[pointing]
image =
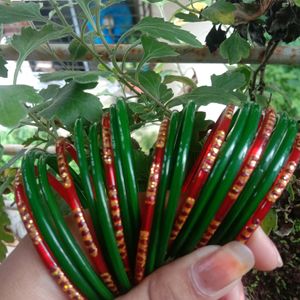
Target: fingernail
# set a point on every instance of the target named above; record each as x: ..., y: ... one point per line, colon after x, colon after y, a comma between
x: 214, y: 274
x: 279, y: 259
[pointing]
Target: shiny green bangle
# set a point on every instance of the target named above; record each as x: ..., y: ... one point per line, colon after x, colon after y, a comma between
x: 44, y: 223
x: 256, y: 177
x: 128, y: 166
x: 109, y: 244
x: 210, y: 186
x: 178, y: 176
x: 128, y: 223
x: 227, y: 179
x: 161, y: 196
x: 78, y: 257
x: 267, y: 180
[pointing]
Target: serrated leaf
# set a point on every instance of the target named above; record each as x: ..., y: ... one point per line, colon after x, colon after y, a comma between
x: 3, y: 69
x: 270, y: 222
x: 30, y: 39
x: 152, y: 82
x: 229, y: 81
x: 155, y: 49
x: 235, y: 48
x: 220, y: 12
x: 49, y: 92
x: 72, y: 102
x: 77, y: 76
x: 12, y: 99
x: 18, y: 12
x: 184, y: 80
x: 158, y: 28
x: 190, y: 17
x: 137, y: 108
x: 204, y: 95
x: 77, y: 50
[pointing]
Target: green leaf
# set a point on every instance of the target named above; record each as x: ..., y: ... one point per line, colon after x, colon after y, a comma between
x: 190, y: 17
x: 158, y: 28
x: 270, y: 222
x: 220, y: 12
x: 297, y: 2
x: 72, y: 102
x: 204, y: 95
x: 184, y: 80
x: 77, y: 50
x: 49, y: 92
x: 137, y: 108
x: 30, y: 39
x: 18, y: 12
x: 77, y: 76
x: 155, y: 49
x: 152, y: 82
x: 229, y: 81
x: 3, y: 69
x: 235, y: 48
x: 12, y: 99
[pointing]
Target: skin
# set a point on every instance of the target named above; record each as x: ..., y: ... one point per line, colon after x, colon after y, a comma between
x: 23, y: 275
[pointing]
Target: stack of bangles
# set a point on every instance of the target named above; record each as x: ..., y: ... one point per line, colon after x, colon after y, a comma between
x: 244, y: 166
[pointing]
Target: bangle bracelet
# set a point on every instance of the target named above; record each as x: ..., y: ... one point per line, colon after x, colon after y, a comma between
x: 68, y: 240
x: 40, y: 245
x: 112, y: 191
x: 109, y: 243
x: 177, y: 179
x: 165, y: 178
x: 44, y: 224
x: 198, y: 176
x: 274, y: 193
x: 210, y: 185
x: 149, y: 202
x: 269, y: 176
x: 250, y: 162
x: 85, y: 229
x: 256, y: 177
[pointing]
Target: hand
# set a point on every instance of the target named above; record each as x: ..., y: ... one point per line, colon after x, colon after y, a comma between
x: 212, y: 272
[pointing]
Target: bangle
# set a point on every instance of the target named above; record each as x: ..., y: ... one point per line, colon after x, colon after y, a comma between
x: 250, y: 162
x: 274, y: 193
x: 165, y: 178
x: 112, y: 191
x: 257, y: 176
x: 212, y: 181
x: 199, y: 174
x: 184, y: 135
x: 40, y: 245
x: 149, y: 202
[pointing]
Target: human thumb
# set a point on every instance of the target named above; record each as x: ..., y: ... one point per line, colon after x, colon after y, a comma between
x: 208, y: 273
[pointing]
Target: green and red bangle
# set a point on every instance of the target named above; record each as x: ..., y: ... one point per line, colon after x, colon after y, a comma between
x: 250, y: 162
x: 274, y: 193
x: 112, y: 191
x: 85, y: 228
x: 39, y: 243
x: 199, y: 174
x: 149, y: 201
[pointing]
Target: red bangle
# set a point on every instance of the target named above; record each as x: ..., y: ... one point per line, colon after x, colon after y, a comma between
x: 85, y: 228
x: 202, y: 168
x: 110, y: 176
x: 250, y: 162
x: 39, y: 243
x: 274, y: 193
x: 149, y: 201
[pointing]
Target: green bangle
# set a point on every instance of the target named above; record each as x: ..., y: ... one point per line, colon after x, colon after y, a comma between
x: 267, y: 180
x: 72, y: 248
x: 210, y: 186
x: 162, y: 191
x: 177, y: 181
x: 45, y: 226
x: 256, y: 177
x: 128, y: 165
x: 107, y: 232
x: 227, y: 179
x: 128, y: 223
